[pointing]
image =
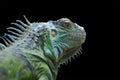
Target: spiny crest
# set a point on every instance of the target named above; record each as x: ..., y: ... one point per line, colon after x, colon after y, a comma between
x: 77, y: 53
x: 13, y: 33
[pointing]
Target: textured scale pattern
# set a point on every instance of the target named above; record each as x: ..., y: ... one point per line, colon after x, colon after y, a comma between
x: 35, y: 51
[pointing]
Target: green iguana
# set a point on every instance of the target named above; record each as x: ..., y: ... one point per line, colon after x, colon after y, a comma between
x: 34, y: 51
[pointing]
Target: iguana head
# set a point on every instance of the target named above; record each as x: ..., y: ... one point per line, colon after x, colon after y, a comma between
x: 67, y: 38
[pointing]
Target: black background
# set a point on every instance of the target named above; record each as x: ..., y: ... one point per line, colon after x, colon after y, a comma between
x: 100, y: 58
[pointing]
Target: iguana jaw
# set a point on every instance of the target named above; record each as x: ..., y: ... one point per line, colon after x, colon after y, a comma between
x: 76, y: 36
x: 76, y: 40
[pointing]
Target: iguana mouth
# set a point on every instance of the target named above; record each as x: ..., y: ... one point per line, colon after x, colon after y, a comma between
x: 76, y: 36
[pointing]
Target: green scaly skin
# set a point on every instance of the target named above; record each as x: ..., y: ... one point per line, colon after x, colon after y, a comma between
x: 36, y: 50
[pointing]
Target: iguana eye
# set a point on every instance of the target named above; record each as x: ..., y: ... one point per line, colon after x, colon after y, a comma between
x: 66, y: 23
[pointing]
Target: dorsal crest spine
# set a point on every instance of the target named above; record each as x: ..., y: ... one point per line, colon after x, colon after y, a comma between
x: 13, y: 33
